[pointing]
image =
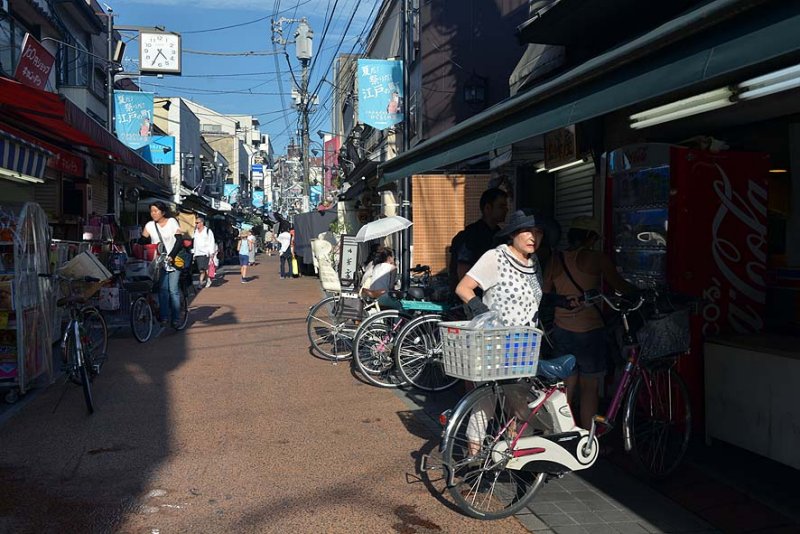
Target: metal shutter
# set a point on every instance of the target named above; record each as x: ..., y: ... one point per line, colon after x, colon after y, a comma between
x: 48, y: 194
x: 574, y: 195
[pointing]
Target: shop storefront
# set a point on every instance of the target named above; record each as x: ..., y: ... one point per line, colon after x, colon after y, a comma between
x: 694, y: 174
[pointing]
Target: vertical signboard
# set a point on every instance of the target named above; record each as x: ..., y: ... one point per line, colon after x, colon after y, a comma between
x: 133, y: 116
x: 330, y: 161
x: 380, y: 89
x: 35, y: 63
x: 348, y: 261
x: 230, y: 189
x: 258, y: 198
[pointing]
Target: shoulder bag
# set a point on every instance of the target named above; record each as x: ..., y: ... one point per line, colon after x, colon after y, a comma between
x: 160, y: 260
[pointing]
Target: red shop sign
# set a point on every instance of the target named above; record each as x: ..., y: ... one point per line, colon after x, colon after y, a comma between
x: 35, y: 63
x: 65, y: 162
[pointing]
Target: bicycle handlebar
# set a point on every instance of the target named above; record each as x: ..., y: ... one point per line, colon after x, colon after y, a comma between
x: 618, y: 305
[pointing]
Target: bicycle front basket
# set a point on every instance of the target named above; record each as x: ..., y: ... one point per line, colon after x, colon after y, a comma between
x: 664, y: 336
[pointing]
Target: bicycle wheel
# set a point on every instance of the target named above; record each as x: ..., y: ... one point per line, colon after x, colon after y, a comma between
x: 373, y: 349
x: 183, y: 313
x: 477, y: 444
x: 329, y: 333
x: 78, y: 370
x: 141, y: 319
x: 658, y: 419
x: 418, y: 354
x: 94, y: 340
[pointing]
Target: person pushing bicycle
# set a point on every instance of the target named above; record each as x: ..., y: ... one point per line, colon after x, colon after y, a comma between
x: 580, y: 329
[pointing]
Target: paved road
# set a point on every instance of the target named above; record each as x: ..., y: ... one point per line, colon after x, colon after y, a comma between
x: 230, y: 426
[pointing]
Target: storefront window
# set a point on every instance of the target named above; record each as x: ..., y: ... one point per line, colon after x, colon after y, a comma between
x: 10, y: 44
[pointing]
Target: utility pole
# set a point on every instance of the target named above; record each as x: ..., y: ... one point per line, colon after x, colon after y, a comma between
x: 405, y: 201
x: 304, y: 51
x: 110, y: 69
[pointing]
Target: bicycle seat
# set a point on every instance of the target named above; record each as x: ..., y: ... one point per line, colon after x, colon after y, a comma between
x: 557, y: 368
x: 415, y: 293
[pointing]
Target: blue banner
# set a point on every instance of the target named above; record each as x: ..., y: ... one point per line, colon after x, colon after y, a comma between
x: 160, y: 151
x: 229, y: 190
x: 314, y: 195
x: 133, y: 116
x: 258, y: 198
x: 380, y: 88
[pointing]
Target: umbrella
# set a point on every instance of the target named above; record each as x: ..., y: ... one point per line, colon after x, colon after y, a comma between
x: 382, y: 228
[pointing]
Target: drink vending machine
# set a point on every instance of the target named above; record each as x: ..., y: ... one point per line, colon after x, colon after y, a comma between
x: 695, y: 223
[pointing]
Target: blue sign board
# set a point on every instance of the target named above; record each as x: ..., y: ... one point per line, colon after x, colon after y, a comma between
x: 229, y: 190
x: 160, y: 151
x: 258, y: 199
x: 258, y: 168
x: 380, y: 89
x: 133, y: 115
x: 314, y: 195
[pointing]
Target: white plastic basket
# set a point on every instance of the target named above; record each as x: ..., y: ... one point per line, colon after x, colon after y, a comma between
x: 487, y: 354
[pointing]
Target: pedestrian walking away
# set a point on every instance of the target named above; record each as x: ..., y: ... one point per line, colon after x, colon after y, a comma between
x: 285, y: 240
x: 251, y: 243
x: 204, y: 249
x: 244, y: 255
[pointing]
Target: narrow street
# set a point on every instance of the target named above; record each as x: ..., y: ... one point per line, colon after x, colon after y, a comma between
x: 230, y: 426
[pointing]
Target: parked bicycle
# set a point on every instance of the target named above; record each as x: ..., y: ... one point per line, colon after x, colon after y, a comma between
x: 85, y: 339
x: 505, y: 439
x: 377, y: 345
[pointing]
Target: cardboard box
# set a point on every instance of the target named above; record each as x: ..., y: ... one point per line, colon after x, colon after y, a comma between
x: 85, y: 264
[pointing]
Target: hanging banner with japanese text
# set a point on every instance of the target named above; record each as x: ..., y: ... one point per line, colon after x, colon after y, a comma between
x: 35, y: 63
x: 380, y: 89
x: 258, y: 198
x: 133, y: 115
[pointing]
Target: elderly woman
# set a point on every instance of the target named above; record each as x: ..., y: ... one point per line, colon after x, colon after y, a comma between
x: 509, y: 275
x: 511, y: 280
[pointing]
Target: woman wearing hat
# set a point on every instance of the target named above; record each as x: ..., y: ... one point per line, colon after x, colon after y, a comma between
x: 581, y: 330
x: 509, y: 275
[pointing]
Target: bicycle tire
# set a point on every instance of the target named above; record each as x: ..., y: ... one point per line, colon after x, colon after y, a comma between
x: 373, y: 349
x: 141, y: 319
x: 418, y: 354
x: 183, y: 312
x: 658, y: 419
x: 483, y: 488
x: 94, y: 339
x: 330, y: 334
x: 86, y: 384
x: 77, y: 370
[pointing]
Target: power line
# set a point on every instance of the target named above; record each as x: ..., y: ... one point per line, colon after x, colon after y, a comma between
x: 228, y: 54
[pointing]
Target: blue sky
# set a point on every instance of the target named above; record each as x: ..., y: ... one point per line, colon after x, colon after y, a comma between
x: 247, y: 84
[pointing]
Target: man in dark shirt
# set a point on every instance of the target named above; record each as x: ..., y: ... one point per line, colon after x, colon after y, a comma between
x: 474, y: 240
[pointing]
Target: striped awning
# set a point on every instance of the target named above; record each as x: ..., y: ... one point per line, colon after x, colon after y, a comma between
x: 21, y: 160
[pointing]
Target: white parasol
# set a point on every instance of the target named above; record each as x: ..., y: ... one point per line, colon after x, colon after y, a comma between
x: 382, y: 228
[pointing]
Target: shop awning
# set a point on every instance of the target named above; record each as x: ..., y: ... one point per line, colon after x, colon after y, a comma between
x: 588, y: 22
x: 593, y: 89
x: 41, y: 111
x: 21, y: 160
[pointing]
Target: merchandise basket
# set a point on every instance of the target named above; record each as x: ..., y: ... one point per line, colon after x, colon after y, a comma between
x: 483, y: 354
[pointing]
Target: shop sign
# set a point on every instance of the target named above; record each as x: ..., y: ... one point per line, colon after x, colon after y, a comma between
x: 380, y: 89
x: 258, y: 199
x: 348, y: 260
x: 560, y: 147
x: 330, y: 161
x: 65, y: 162
x: 35, y: 63
x: 133, y: 115
x: 160, y: 150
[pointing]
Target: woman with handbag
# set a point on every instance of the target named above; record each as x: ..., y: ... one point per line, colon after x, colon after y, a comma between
x: 580, y: 330
x: 165, y: 231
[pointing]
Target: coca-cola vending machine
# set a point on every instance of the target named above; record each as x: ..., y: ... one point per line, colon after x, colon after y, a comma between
x: 693, y: 222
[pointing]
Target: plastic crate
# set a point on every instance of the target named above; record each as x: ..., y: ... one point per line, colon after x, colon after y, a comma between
x: 488, y: 354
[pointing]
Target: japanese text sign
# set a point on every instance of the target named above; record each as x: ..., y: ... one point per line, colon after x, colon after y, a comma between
x: 348, y: 261
x: 380, y: 89
x: 133, y: 116
x: 35, y: 63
